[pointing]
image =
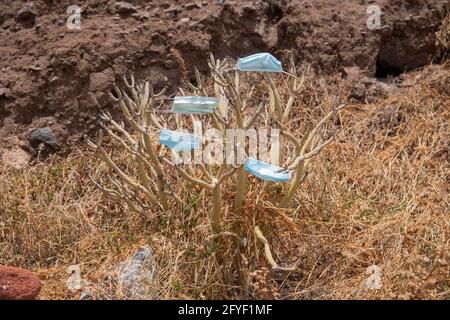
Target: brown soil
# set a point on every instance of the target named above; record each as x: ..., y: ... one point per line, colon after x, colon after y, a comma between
x: 55, y: 77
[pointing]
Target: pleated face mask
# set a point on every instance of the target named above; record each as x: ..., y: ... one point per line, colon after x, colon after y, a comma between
x: 260, y: 62
x: 179, y: 141
x: 267, y: 171
x: 194, y: 105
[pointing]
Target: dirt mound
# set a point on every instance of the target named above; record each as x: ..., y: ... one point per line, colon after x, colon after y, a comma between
x: 55, y: 77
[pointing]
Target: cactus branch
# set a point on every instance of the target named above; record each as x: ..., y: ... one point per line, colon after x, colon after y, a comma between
x: 188, y: 177
x: 268, y: 252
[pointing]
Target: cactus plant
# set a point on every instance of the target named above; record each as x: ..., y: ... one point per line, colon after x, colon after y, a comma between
x: 146, y: 186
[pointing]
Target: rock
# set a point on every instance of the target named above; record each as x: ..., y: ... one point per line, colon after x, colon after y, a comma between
x: 358, y: 92
x: 101, y: 81
x: 135, y: 276
x: 174, y: 9
x: 61, y: 22
x: 18, y: 284
x: 45, y: 136
x: 352, y: 72
x: 99, y: 85
x: 5, y: 92
x: 86, y: 294
x: 141, y: 16
x: 125, y: 8
x: 192, y: 5
x: 74, y: 282
x: 406, y: 43
x: 38, y: 28
x: 26, y: 15
x: 184, y: 20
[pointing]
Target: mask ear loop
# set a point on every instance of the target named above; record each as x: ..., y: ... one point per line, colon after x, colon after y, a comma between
x: 156, y: 130
x: 289, y: 74
x: 283, y: 72
x: 280, y: 170
x: 230, y: 69
x: 165, y: 99
x: 162, y: 111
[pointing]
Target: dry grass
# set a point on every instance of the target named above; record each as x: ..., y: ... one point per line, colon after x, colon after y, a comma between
x: 378, y: 196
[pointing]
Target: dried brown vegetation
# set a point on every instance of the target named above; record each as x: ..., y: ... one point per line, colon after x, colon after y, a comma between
x: 378, y: 196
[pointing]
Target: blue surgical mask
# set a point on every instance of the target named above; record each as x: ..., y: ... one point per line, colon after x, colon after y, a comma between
x: 179, y: 141
x: 260, y: 62
x: 267, y: 171
x: 194, y: 105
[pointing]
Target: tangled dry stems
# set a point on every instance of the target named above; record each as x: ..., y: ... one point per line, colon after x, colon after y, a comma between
x: 145, y: 188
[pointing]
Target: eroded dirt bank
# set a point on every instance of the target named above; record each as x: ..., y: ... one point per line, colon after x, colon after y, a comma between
x: 55, y: 77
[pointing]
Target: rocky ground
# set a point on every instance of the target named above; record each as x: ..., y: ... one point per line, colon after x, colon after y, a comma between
x: 56, y: 79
